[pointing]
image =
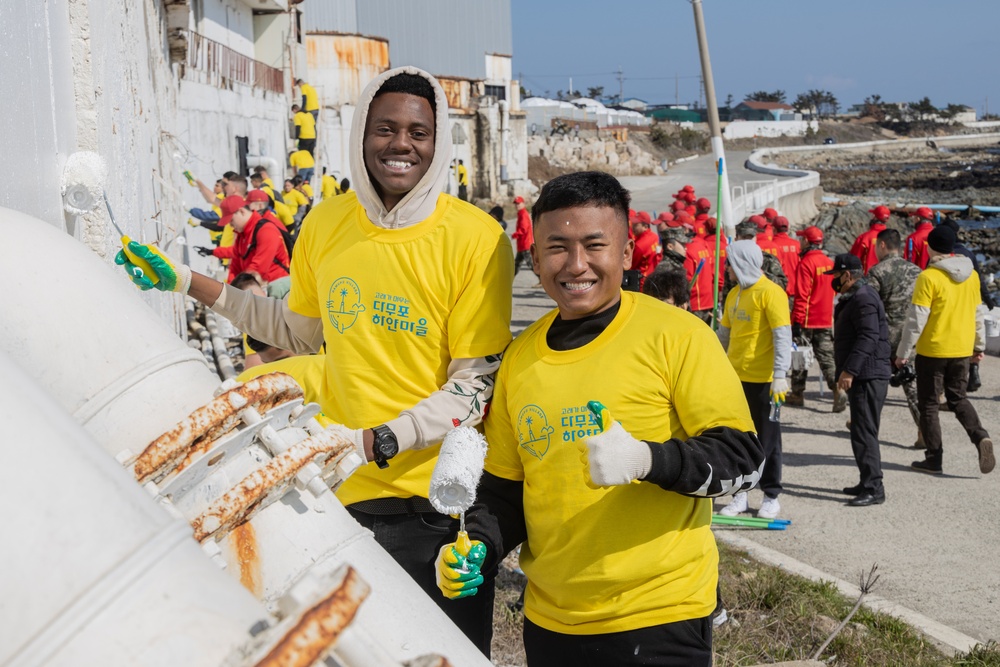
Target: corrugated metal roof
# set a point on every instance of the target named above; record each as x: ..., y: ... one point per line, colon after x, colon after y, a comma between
x: 444, y: 37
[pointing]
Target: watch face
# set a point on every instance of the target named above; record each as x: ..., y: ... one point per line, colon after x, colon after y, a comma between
x: 388, y: 447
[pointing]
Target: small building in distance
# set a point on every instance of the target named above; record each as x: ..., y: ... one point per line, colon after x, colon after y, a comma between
x: 749, y: 110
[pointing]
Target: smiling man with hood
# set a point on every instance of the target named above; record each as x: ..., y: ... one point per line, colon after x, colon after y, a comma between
x: 410, y: 289
x: 944, y: 327
x: 757, y: 334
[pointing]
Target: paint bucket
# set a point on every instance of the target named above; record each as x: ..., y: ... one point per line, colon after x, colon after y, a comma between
x: 992, y: 327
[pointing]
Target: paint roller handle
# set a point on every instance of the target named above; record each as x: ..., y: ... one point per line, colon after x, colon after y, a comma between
x: 190, y: 178
x: 458, y: 567
x: 147, y: 267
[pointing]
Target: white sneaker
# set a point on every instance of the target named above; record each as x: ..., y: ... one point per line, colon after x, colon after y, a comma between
x: 769, y: 508
x: 737, y: 505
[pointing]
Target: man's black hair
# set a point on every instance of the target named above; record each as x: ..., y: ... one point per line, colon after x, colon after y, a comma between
x: 497, y: 212
x: 297, y: 180
x: 583, y: 188
x: 324, y: 171
x: 257, y: 346
x: 345, y: 185
x: 891, y: 239
x: 244, y: 280
x: 258, y: 176
x: 671, y: 283
x: 259, y: 169
x: 410, y: 84
x: 230, y: 175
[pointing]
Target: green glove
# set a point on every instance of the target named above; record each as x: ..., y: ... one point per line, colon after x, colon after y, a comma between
x: 458, y: 567
x: 169, y: 277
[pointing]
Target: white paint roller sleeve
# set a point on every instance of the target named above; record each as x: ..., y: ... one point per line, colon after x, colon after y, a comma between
x: 457, y: 472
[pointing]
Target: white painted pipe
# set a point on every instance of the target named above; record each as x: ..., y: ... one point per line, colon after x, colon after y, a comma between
x: 81, y: 330
x: 94, y: 572
x: 275, y: 170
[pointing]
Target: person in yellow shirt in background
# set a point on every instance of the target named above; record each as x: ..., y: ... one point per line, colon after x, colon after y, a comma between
x: 302, y: 164
x: 304, y: 187
x: 944, y: 326
x: 612, y: 505
x: 329, y: 187
x: 462, y: 174
x: 305, y: 129
x: 259, y: 182
x: 757, y: 334
x: 310, y: 100
x: 296, y: 201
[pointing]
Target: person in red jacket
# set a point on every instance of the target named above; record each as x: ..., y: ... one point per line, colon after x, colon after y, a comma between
x: 260, y: 251
x: 711, y: 225
x: 699, y: 265
x: 812, y: 316
x: 770, y: 215
x: 703, y: 206
x: 523, y: 235
x: 916, y: 243
x: 763, y: 239
x: 864, y: 245
x: 788, y: 251
x: 647, y: 252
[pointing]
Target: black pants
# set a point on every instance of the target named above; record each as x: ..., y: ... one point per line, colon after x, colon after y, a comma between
x: 308, y: 145
x: 867, y: 398
x: 463, y: 192
x: 768, y: 432
x: 522, y: 255
x: 950, y: 375
x: 680, y: 644
x: 414, y: 541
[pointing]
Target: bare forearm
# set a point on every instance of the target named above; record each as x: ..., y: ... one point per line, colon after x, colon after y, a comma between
x: 204, y: 289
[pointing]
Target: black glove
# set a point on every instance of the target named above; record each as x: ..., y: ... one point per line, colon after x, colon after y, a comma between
x: 797, y: 331
x: 203, y: 251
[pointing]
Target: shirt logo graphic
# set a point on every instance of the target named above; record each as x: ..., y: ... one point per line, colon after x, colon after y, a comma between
x: 344, y: 304
x: 533, y: 431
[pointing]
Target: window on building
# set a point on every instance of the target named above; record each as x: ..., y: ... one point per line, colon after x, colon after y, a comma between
x: 298, y: 26
x: 499, y: 92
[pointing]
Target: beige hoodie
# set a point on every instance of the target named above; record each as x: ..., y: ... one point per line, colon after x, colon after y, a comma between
x: 272, y: 322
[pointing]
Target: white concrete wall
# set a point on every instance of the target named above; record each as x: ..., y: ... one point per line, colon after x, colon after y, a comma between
x: 270, y: 33
x: 746, y: 129
x: 228, y: 22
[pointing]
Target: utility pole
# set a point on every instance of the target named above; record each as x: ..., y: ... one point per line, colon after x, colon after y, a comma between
x: 621, y: 86
x: 677, y: 90
x: 724, y: 208
x: 570, y: 87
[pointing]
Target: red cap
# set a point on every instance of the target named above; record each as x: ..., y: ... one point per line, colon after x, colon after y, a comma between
x: 257, y: 196
x: 811, y: 234
x: 770, y: 214
x: 881, y: 213
x: 691, y: 209
x: 684, y: 217
x: 781, y: 222
x: 518, y: 200
x: 923, y: 212
x: 703, y: 203
x: 678, y: 205
x: 666, y: 216
x: 688, y: 188
x: 631, y: 215
x: 643, y: 217
x: 759, y: 221
x: 690, y: 197
x: 711, y: 225
x: 230, y: 205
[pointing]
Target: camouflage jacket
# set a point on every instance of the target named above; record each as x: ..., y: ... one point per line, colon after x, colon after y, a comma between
x: 671, y: 261
x: 893, y: 278
x: 772, y: 270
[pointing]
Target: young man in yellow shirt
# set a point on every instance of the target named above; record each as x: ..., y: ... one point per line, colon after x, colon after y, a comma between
x: 329, y: 187
x: 305, y: 129
x: 310, y: 100
x: 614, y: 508
x: 302, y: 164
x: 410, y: 289
x: 756, y: 332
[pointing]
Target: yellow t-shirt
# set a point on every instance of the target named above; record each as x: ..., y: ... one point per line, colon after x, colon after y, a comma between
x: 307, y: 125
x: 307, y: 190
x: 312, y: 99
x: 398, y: 305
x: 624, y: 557
x: 951, y: 328
x: 284, y: 213
x: 269, y: 183
x: 216, y: 236
x: 463, y: 175
x: 301, y: 160
x: 294, y: 199
x: 751, y: 314
x: 329, y: 187
x: 306, y: 369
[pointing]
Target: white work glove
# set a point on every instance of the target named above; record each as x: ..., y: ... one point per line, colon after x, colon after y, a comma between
x: 779, y: 389
x: 614, y: 457
x: 354, y: 435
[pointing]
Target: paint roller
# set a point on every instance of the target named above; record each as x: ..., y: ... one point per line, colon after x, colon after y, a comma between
x: 456, y: 476
x: 82, y: 183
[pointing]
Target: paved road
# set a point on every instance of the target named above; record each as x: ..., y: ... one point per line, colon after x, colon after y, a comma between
x: 936, y: 539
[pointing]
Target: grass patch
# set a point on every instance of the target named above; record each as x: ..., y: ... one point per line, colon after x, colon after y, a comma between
x: 774, y: 617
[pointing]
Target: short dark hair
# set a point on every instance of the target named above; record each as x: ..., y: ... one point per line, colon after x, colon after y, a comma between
x: 297, y: 180
x: 497, y: 212
x: 411, y: 84
x: 345, y: 184
x: 295, y: 106
x: 257, y: 346
x: 230, y: 175
x: 240, y: 181
x: 244, y: 280
x: 583, y: 188
x: 259, y: 169
x: 891, y: 238
x: 257, y: 176
x: 672, y: 283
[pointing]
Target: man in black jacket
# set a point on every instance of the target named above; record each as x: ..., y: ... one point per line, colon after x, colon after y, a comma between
x: 861, y: 354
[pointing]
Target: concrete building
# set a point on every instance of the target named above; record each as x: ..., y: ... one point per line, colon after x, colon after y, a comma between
x: 749, y: 110
x: 155, y: 88
x: 466, y: 44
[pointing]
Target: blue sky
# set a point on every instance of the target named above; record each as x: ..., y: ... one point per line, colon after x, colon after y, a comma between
x: 902, y: 50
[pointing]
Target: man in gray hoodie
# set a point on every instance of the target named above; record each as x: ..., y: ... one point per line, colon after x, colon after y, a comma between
x: 756, y: 332
x: 944, y: 327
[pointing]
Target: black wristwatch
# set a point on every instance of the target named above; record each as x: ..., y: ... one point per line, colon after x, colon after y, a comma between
x: 385, y: 446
